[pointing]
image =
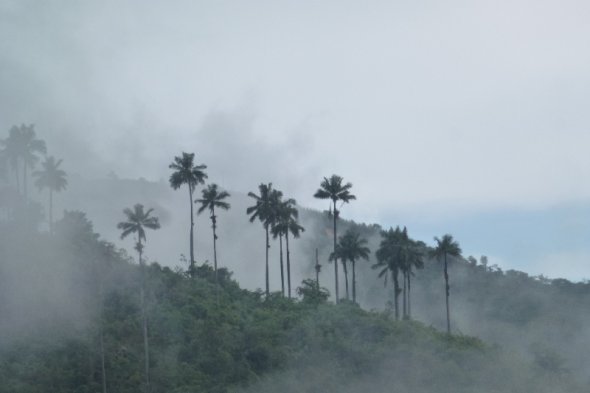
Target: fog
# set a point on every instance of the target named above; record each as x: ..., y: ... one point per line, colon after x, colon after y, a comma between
x: 463, y: 118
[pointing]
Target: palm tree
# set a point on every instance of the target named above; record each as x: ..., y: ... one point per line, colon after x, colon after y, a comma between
x: 351, y: 247
x: 264, y: 209
x: 213, y: 198
x: 446, y: 247
x: 136, y: 222
x: 286, y: 222
x: 186, y: 172
x: 294, y: 229
x: 333, y: 189
x: 415, y: 259
x: 22, y: 145
x: 389, y: 261
x: 52, y: 178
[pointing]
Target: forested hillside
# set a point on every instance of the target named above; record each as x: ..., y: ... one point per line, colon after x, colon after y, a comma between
x: 70, y: 300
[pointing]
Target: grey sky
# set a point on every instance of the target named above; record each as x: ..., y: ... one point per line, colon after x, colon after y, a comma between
x: 427, y: 107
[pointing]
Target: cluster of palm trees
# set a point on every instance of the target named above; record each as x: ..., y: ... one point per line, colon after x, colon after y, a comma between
x: 279, y: 217
x: 21, y: 150
x: 397, y: 253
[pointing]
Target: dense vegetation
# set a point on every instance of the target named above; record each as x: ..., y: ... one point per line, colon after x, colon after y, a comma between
x: 202, y: 343
x: 78, y: 315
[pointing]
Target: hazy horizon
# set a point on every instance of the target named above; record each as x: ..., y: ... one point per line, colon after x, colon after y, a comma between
x: 467, y: 118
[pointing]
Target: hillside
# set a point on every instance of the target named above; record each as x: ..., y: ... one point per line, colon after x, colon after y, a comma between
x: 234, y: 340
x: 532, y: 315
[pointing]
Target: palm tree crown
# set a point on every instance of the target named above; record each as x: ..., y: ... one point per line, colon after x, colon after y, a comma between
x: 332, y: 188
x: 213, y: 198
x: 137, y: 220
x: 51, y: 176
x: 351, y: 247
x: 265, y: 205
x: 445, y: 246
x: 186, y: 172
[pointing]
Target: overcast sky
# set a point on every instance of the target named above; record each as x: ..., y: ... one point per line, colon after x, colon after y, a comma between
x: 438, y: 112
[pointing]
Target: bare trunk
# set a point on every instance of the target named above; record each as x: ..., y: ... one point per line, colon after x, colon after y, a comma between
x: 288, y: 265
x: 335, y: 259
x: 353, y: 281
x: 267, y: 247
x: 345, y: 269
x: 25, y: 179
x: 317, y: 269
x: 214, y: 226
x: 17, y: 175
x: 50, y: 210
x: 282, y: 270
x: 145, y: 323
x: 101, y: 338
x: 447, y: 292
x: 404, y: 298
x: 192, y: 252
x: 409, y: 292
x: 396, y: 291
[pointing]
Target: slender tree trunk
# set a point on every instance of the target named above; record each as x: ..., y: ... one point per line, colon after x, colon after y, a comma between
x: 404, y: 298
x: 214, y: 226
x: 353, y: 281
x: 288, y: 265
x: 345, y: 269
x: 267, y: 247
x: 447, y: 292
x: 335, y: 259
x: 17, y: 175
x: 396, y: 291
x: 50, y: 210
x: 282, y: 270
x: 145, y: 323
x: 317, y: 270
x: 192, y: 251
x: 101, y: 336
x: 25, y: 179
x: 409, y: 292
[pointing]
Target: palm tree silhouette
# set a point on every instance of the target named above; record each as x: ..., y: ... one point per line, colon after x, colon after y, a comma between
x: 389, y: 261
x: 213, y: 198
x: 333, y: 189
x: 293, y: 227
x: 446, y: 247
x: 23, y: 146
x: 351, y: 247
x: 265, y: 209
x: 136, y: 222
x: 285, y: 223
x: 186, y: 172
x: 54, y: 179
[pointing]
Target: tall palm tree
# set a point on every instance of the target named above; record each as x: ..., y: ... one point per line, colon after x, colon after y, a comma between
x: 285, y: 223
x: 294, y: 229
x: 446, y: 247
x: 213, y: 198
x: 389, y: 261
x: 137, y: 220
x: 264, y: 209
x: 333, y: 189
x: 23, y: 146
x: 415, y: 260
x: 54, y: 179
x: 186, y: 172
x: 351, y: 247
